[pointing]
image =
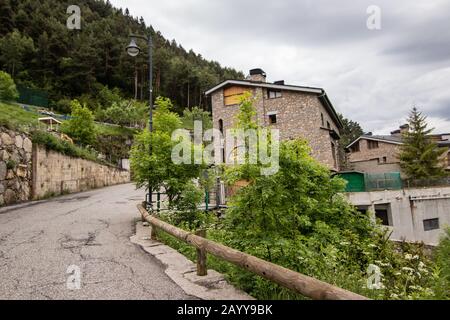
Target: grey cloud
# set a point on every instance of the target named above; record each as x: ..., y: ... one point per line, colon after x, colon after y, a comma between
x: 369, y: 75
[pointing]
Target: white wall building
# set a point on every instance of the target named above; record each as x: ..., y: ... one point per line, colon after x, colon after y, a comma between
x: 413, y: 215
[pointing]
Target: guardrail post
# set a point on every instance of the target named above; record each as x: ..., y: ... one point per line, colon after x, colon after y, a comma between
x: 202, y: 269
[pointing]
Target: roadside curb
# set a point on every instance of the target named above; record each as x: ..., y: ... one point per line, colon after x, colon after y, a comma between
x: 184, y: 272
x: 19, y: 206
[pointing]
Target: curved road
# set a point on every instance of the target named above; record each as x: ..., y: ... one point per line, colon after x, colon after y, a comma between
x: 91, y: 230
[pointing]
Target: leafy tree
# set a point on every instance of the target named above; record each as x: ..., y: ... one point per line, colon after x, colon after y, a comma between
x: 352, y: 130
x: 420, y: 157
x: 196, y: 114
x: 117, y: 113
x: 71, y: 63
x: 13, y: 49
x: 81, y: 126
x: 158, y: 168
x: 8, y: 90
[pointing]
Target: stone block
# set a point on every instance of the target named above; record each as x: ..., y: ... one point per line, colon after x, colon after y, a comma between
x: 27, y: 145
x: 4, y: 155
x: 3, y: 170
x: 6, y: 139
x: 9, y: 196
x: 19, y: 142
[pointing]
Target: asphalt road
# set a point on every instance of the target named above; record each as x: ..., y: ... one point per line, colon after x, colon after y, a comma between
x: 40, y: 242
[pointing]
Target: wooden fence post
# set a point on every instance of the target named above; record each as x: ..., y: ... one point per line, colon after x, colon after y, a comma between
x: 202, y: 269
x: 153, y: 235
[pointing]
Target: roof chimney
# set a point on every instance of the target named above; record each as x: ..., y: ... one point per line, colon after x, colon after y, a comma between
x: 404, y: 128
x: 257, y: 75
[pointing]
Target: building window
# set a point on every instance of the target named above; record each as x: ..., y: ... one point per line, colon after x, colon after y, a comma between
x: 233, y: 95
x: 328, y: 125
x: 382, y: 160
x: 273, y: 118
x: 372, y: 144
x: 355, y: 147
x: 323, y: 120
x: 272, y: 94
x: 382, y: 213
x: 431, y: 224
x: 333, y: 152
x: 221, y: 125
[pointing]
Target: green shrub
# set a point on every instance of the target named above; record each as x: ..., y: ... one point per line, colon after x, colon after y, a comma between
x: 63, y: 106
x: 81, y: 126
x: 53, y: 143
x: 441, y: 270
x: 8, y: 90
x: 299, y: 219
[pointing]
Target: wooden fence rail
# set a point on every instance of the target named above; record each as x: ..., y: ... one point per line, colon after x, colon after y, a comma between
x: 307, y: 286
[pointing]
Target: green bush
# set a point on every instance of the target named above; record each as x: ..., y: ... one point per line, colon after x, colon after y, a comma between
x: 442, y: 268
x: 8, y: 90
x: 299, y: 219
x: 81, y: 126
x: 63, y: 106
x: 53, y: 143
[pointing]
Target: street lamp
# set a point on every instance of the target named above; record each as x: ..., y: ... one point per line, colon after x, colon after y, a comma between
x: 133, y: 50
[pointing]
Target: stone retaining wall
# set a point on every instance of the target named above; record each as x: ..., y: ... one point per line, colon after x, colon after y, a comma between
x: 15, y: 167
x: 55, y: 174
x: 30, y: 172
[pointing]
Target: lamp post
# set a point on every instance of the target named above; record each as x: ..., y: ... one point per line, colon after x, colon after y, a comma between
x: 133, y: 50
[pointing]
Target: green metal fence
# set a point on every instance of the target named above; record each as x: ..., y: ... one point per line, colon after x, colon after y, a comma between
x: 32, y: 96
x: 383, y: 181
x: 363, y: 182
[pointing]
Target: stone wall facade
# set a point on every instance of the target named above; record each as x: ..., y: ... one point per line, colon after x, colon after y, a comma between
x: 15, y: 167
x: 379, y: 160
x: 30, y: 172
x: 55, y: 174
x: 299, y: 115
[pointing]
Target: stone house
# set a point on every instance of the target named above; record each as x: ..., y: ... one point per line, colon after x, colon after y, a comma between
x: 298, y: 112
x: 379, y: 153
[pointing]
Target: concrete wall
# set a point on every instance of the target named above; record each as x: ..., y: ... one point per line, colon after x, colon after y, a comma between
x: 298, y: 116
x: 408, y: 209
x: 55, y: 173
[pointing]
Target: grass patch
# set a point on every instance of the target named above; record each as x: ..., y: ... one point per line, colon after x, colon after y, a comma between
x: 105, y: 130
x: 14, y: 117
x: 53, y: 143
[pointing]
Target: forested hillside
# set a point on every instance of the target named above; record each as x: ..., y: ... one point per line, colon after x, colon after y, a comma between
x: 39, y: 51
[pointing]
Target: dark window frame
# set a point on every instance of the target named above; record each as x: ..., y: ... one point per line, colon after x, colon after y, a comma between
x: 372, y: 144
x: 273, y: 119
x: 277, y: 94
x: 431, y: 224
x: 383, y: 213
x: 356, y: 147
x: 221, y: 126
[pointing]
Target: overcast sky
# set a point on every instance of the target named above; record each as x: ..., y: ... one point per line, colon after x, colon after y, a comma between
x: 371, y: 76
